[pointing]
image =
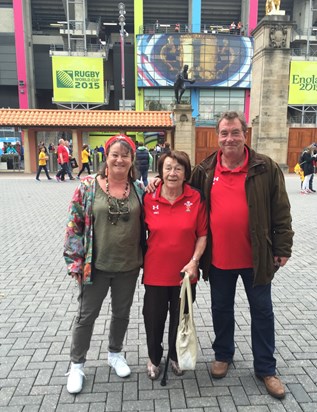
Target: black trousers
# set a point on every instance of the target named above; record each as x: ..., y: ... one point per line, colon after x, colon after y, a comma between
x: 158, y: 301
x: 311, y: 182
x: 85, y: 166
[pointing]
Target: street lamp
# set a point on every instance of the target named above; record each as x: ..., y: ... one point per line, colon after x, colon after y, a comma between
x: 121, y: 19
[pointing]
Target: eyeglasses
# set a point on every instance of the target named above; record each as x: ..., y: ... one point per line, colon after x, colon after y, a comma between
x: 118, y: 209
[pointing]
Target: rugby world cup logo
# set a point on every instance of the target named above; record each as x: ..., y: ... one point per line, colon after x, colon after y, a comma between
x: 65, y: 79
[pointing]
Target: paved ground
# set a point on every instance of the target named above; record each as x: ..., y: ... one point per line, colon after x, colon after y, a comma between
x: 38, y: 304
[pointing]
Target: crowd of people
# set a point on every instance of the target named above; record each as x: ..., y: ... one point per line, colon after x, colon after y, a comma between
x: 64, y: 152
x: 227, y: 218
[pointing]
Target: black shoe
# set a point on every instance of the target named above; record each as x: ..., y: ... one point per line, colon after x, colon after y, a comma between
x: 71, y: 178
x: 312, y: 190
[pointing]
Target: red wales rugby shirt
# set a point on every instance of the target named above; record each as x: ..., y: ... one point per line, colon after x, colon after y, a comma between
x: 173, y: 231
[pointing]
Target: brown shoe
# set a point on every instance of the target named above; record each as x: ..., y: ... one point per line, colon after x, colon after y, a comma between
x: 274, y: 386
x: 219, y: 369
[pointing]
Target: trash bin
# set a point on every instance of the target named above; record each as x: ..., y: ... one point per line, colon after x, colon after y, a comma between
x: 10, y: 163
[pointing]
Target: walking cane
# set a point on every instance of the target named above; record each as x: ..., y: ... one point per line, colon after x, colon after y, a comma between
x: 164, y: 378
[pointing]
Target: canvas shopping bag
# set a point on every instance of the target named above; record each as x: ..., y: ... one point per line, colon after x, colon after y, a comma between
x: 186, y: 340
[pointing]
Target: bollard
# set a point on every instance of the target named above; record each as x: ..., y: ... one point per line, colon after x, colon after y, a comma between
x: 95, y: 162
x: 52, y: 162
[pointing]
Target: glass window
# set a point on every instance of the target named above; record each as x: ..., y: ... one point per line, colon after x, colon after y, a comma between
x: 162, y: 99
x: 213, y: 102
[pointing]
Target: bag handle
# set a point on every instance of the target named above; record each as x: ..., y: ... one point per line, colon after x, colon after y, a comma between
x: 186, y: 290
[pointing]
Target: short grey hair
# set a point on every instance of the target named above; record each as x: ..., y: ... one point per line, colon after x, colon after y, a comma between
x: 231, y: 115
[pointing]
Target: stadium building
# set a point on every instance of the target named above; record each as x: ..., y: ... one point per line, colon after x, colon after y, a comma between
x: 102, y: 55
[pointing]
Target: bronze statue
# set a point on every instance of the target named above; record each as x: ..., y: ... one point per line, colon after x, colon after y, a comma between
x: 272, y: 5
x: 180, y: 83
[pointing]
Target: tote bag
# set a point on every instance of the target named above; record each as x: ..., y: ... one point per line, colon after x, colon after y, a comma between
x: 73, y: 163
x: 186, y: 340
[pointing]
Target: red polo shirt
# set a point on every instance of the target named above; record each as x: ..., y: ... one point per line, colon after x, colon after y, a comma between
x: 229, y: 218
x: 62, y: 150
x: 173, y: 231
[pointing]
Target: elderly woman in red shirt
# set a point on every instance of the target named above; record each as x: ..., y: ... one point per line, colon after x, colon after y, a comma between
x: 176, y: 220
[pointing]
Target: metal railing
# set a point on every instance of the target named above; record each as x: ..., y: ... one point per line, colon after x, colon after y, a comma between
x: 302, y: 51
x: 160, y: 28
x: 299, y: 34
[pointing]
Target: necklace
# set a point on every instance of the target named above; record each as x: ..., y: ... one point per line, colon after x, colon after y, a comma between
x: 125, y: 190
x: 118, y: 208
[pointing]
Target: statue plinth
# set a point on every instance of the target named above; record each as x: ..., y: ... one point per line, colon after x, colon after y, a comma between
x: 276, y: 13
x: 182, y: 106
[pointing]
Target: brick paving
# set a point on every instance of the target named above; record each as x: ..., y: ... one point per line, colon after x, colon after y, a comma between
x: 38, y: 304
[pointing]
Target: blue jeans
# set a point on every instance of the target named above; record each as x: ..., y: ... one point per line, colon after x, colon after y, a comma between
x: 223, y: 288
x: 143, y: 174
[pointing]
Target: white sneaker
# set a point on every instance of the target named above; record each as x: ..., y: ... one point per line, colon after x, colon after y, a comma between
x: 75, y: 378
x: 119, y: 364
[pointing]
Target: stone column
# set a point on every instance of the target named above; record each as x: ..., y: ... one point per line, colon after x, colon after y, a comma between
x: 184, y: 130
x: 77, y: 145
x: 30, y: 151
x: 269, y: 93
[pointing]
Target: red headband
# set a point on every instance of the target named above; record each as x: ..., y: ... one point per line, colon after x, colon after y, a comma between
x: 119, y: 137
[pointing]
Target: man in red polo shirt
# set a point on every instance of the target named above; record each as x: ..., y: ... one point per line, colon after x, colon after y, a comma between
x: 62, y: 158
x: 250, y: 235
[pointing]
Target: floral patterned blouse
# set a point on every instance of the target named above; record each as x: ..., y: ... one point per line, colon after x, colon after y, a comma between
x: 78, y: 246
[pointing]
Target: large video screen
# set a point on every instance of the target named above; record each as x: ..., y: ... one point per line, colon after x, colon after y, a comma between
x: 213, y: 60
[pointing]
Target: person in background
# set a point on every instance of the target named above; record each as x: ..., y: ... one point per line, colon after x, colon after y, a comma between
x: 84, y: 160
x: 18, y: 148
x: 250, y: 235
x: 51, y: 148
x: 233, y: 27
x: 43, y: 157
x: 299, y: 171
x: 70, y: 153
x: 176, y: 220
x: 314, y: 154
x: 167, y: 148
x: 102, y: 151
x: 62, y: 159
x: 42, y: 144
x: 10, y: 149
x: 158, y: 148
x: 239, y: 28
x: 143, y: 162
x: 103, y: 250
x: 307, y: 161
